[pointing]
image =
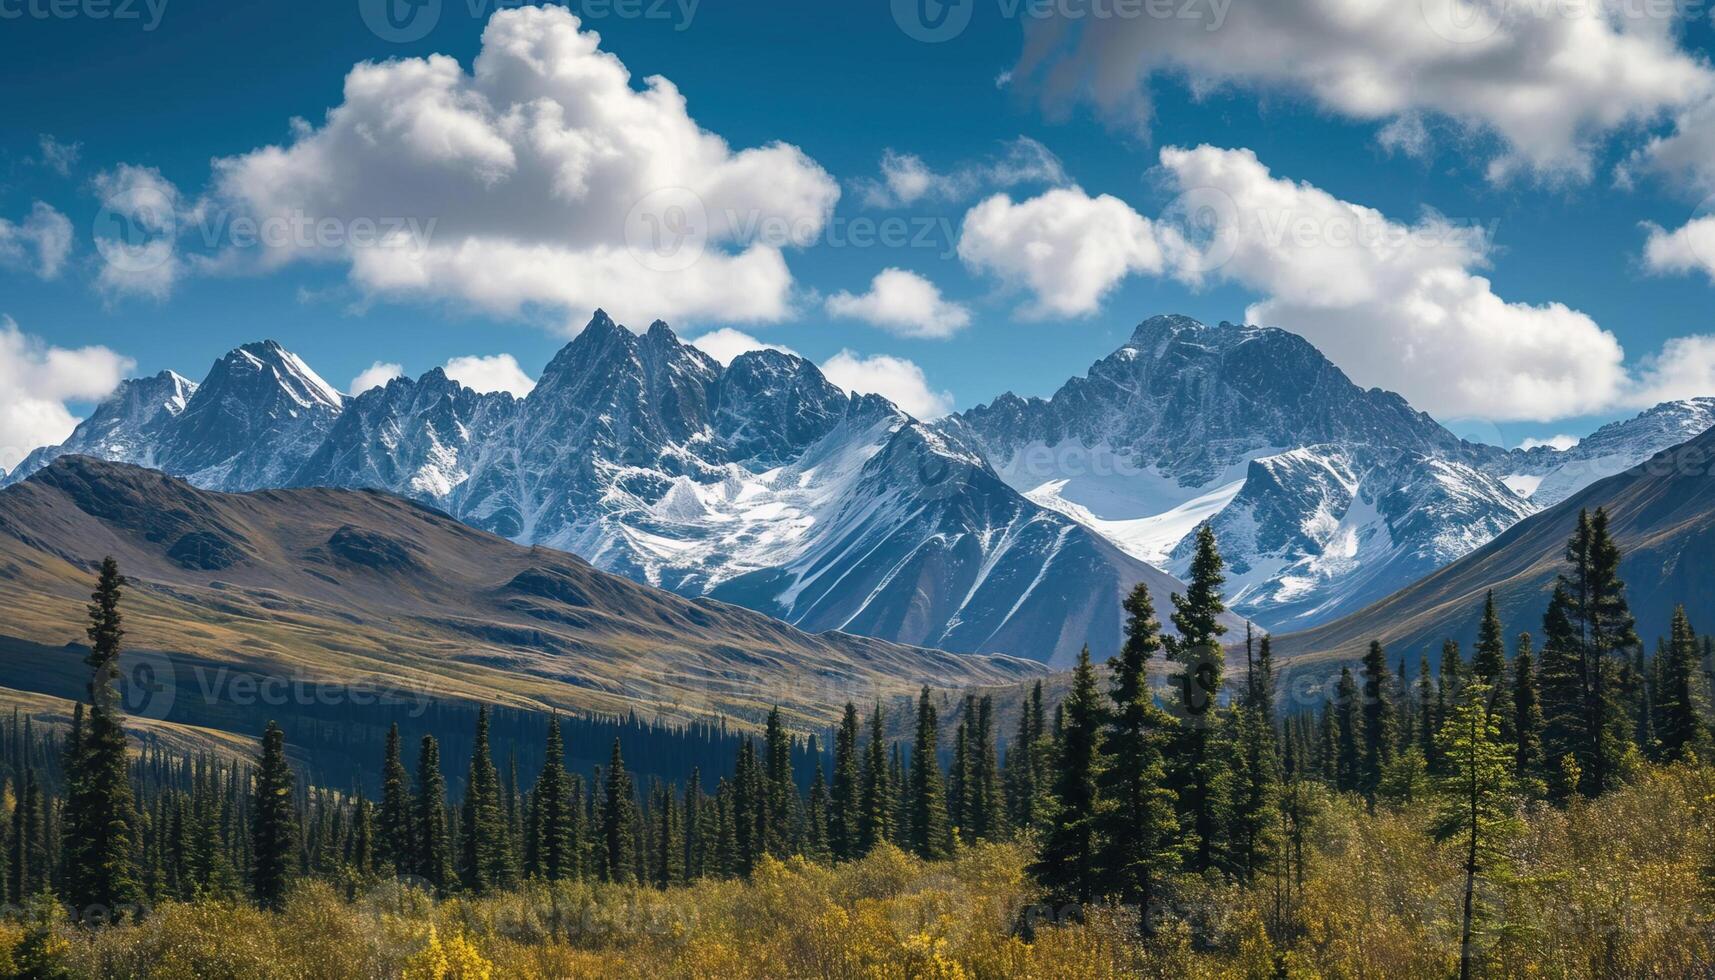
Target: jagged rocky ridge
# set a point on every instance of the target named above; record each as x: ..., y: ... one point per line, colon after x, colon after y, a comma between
x: 759, y: 483
x: 1012, y: 527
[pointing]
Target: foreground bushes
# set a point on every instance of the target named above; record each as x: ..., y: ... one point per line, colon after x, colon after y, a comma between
x: 1616, y: 887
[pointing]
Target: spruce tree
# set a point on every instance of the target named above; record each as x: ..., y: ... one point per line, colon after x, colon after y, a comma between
x: 273, y: 829
x: 617, y: 834
x: 988, y: 810
x: 1478, y: 810
x: 845, y: 797
x: 1682, y: 702
x: 875, y: 825
x: 1490, y: 657
x: 1349, y: 760
x: 483, y: 864
x: 99, y: 876
x: 781, y: 791
x: 434, y: 862
x: 931, y: 834
x: 394, y: 830
x: 552, y: 816
x: 1561, y: 683
x: 1379, y: 720
x: 1136, y: 827
x: 816, y: 819
x: 1604, y: 625
x: 1199, y: 769
x: 1067, y: 863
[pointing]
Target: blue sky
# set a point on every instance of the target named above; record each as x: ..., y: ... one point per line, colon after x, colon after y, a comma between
x: 1564, y: 165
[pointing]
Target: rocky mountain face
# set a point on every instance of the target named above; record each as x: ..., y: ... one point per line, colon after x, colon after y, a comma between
x: 1325, y: 496
x: 1013, y: 527
x: 760, y: 483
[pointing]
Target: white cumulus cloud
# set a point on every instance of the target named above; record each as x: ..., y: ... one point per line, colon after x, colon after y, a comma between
x: 898, y: 380
x: 39, y: 243
x: 36, y: 382
x: 542, y: 177
x: 374, y: 376
x: 137, y: 232
x: 494, y: 372
x: 1547, y: 81
x: 903, y: 303
x: 1684, y: 368
x: 725, y: 344
x: 1686, y: 249
x: 1067, y: 248
x: 905, y: 179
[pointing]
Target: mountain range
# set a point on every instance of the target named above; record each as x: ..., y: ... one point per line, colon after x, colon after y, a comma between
x: 345, y: 589
x: 1013, y: 527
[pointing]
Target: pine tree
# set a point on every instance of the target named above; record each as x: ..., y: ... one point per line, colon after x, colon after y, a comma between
x: 875, y: 825
x: 816, y: 819
x: 617, y: 836
x: 99, y: 875
x: 1561, y: 682
x: 1022, y: 785
x: 1136, y: 826
x: 1490, y: 657
x: 1067, y: 863
x: 273, y: 831
x: 1682, y: 702
x: 552, y: 814
x: 988, y: 812
x: 1256, y: 796
x: 1427, y: 721
x: 483, y: 864
x: 1349, y: 758
x: 1477, y: 809
x: 1379, y: 719
x: 781, y: 791
x: 433, y: 845
x: 669, y: 843
x: 1263, y: 682
x: 931, y: 834
x: 1604, y: 627
x: 697, y: 827
x: 1527, y: 717
x: 959, y: 776
x: 846, y: 795
x: 1199, y: 770
x: 394, y: 835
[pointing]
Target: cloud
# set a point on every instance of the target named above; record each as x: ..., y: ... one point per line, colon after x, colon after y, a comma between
x: 137, y: 232
x: 1067, y: 248
x: 1686, y: 249
x: 1684, y: 368
x: 906, y: 179
x: 726, y: 344
x: 374, y: 376
x: 1686, y: 154
x: 36, y: 382
x: 1558, y: 442
x: 59, y: 157
x: 1548, y: 81
x: 45, y: 233
x: 903, y: 303
x: 542, y: 177
x: 1395, y: 305
x: 495, y: 372
x: 898, y: 380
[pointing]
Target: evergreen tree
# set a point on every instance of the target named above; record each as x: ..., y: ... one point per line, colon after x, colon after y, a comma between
x: 1561, y: 682
x: 1135, y: 824
x: 99, y: 874
x: 1426, y: 717
x: 394, y: 835
x: 1490, y: 657
x: 552, y: 818
x: 781, y: 791
x: 433, y: 845
x: 1022, y: 785
x: 1067, y: 864
x: 617, y: 833
x: 845, y: 798
x: 1527, y: 717
x: 816, y: 819
x: 274, y: 825
x: 1199, y: 769
x: 1477, y: 809
x: 1604, y: 626
x: 988, y: 812
x: 483, y: 864
x: 1263, y: 682
x: 1682, y: 702
x: 669, y: 843
x: 875, y: 825
x: 1256, y: 796
x: 1349, y: 760
x: 931, y: 834
x: 1379, y: 720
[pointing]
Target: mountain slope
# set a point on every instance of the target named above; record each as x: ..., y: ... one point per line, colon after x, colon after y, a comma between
x: 760, y: 483
x: 1662, y: 514
x: 346, y: 587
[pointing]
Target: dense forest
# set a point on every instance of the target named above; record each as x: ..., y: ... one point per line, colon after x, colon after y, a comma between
x: 1549, y: 811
